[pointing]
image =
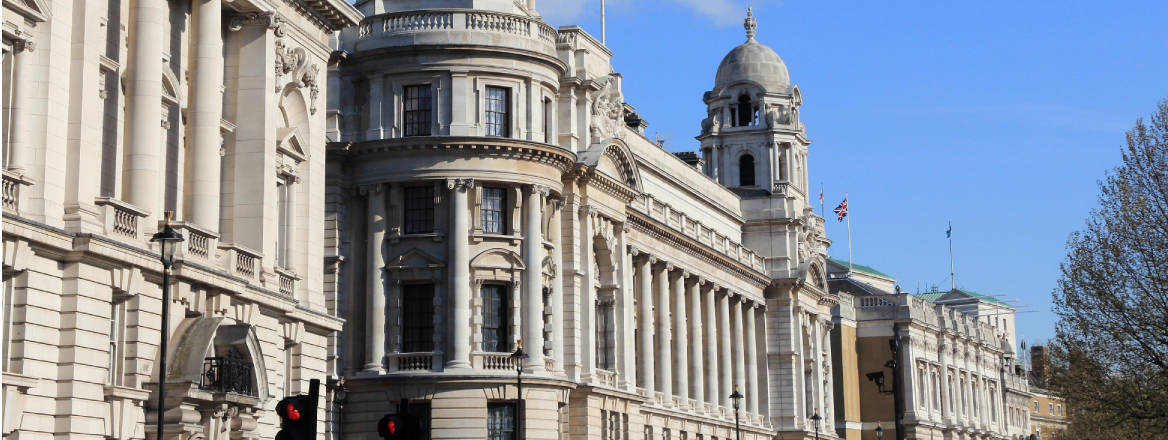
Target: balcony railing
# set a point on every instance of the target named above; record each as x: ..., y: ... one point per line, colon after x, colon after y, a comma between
x: 448, y: 20
x: 287, y: 282
x: 121, y: 219
x: 605, y: 377
x: 12, y: 185
x: 228, y: 374
x: 420, y: 361
x: 495, y: 361
x: 241, y: 261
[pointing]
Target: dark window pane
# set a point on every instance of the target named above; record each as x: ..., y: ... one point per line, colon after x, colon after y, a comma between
x: 495, y: 323
x: 746, y: 170
x: 416, y: 110
x: 501, y: 421
x: 419, y: 210
x: 494, y: 200
x: 417, y: 317
x: 497, y: 118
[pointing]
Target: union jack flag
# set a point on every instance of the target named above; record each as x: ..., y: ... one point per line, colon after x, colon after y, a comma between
x: 842, y: 210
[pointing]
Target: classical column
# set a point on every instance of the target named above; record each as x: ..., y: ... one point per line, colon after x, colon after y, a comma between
x: 557, y: 295
x: 764, y: 398
x: 680, y: 339
x: 739, y: 355
x: 697, y: 376
x: 943, y: 378
x: 459, y: 267
x: 375, y: 290
x: 664, y: 333
x: 533, y: 277
x: 142, y: 176
x: 753, y: 393
x: 724, y: 341
x: 206, y: 115
x: 817, y: 363
x: 587, y: 306
x: 22, y: 90
x: 645, y: 324
x: 716, y: 173
x: 713, y: 391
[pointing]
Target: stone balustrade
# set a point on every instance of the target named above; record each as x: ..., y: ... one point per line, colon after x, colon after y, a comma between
x: 692, y: 228
x: 121, y: 219
x: 420, y: 361
x: 493, y: 361
x: 456, y: 26
x: 12, y: 185
x: 605, y: 378
x: 904, y: 307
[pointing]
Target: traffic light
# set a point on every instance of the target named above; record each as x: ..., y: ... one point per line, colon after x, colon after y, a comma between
x: 298, y: 415
x: 400, y: 425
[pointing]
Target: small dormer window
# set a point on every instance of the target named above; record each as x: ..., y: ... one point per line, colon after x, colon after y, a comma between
x: 746, y: 170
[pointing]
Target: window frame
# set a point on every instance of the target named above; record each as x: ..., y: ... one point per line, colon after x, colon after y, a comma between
x: 417, y: 324
x: 499, y: 212
x: 497, y: 111
x: 422, y: 113
x: 744, y: 170
x: 502, y: 340
x: 508, y: 421
x: 424, y: 208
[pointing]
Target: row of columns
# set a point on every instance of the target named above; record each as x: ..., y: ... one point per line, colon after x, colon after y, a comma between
x: 459, y: 344
x: 696, y: 341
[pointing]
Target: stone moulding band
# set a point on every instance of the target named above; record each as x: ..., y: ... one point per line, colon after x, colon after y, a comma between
x: 552, y: 155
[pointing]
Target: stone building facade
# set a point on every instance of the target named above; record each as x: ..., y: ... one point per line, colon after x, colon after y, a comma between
x: 114, y: 113
x: 960, y: 375
x: 488, y: 184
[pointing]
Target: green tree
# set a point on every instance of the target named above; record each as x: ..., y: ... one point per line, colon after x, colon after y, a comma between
x: 1110, y: 353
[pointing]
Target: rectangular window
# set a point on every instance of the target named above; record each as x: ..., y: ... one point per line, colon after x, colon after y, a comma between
x: 419, y: 212
x: 494, y: 205
x: 417, y: 106
x: 495, y: 322
x: 547, y: 121
x: 417, y: 318
x: 501, y: 421
x: 283, y: 215
x: 117, y: 326
x: 498, y: 117
x: 605, y: 341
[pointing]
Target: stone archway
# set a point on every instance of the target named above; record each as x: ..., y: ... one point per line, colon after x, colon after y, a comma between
x: 216, y: 382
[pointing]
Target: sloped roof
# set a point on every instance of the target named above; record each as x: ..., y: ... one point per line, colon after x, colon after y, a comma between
x: 959, y: 294
x: 861, y: 268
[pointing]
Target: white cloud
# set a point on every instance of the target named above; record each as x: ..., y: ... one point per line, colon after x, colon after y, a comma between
x: 721, y: 12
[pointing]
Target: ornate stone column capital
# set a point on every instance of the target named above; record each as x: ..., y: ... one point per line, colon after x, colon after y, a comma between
x: 25, y: 44
x: 542, y: 190
x: 370, y: 188
x: 266, y: 19
x: 460, y: 184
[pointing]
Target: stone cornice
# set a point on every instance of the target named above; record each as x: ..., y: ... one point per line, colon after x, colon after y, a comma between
x: 518, y: 149
x: 641, y: 222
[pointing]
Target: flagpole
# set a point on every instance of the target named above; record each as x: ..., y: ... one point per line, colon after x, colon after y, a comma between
x: 822, y: 211
x: 952, y: 278
x: 849, y: 218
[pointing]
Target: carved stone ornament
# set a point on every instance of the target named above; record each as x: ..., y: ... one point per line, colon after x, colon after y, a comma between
x: 460, y: 184
x: 266, y: 19
x: 607, y: 111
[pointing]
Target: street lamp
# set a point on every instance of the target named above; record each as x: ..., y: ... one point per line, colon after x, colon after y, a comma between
x: 517, y: 358
x: 169, y: 240
x: 879, y: 432
x: 815, y: 419
x: 736, y: 397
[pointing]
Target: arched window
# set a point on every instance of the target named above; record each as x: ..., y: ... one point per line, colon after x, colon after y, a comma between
x: 745, y: 111
x: 746, y: 170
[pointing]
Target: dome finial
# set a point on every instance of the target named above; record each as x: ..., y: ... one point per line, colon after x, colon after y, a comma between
x: 750, y: 24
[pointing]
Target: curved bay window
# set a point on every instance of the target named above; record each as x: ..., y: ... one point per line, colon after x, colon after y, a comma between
x: 495, y: 318
x: 746, y: 170
x: 417, y: 109
x: 494, y: 206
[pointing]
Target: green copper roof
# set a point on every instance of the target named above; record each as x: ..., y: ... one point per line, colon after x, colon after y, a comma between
x: 861, y: 268
x: 934, y: 296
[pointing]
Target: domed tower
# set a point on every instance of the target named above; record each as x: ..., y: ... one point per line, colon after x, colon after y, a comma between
x: 753, y: 143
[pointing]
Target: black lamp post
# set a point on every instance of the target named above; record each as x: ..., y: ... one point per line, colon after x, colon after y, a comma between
x: 169, y: 240
x: 736, y: 397
x: 897, y: 386
x: 517, y: 358
x: 815, y: 418
x: 879, y: 432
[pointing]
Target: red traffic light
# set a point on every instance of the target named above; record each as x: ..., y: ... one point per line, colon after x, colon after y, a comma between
x: 391, y: 427
x: 291, y: 412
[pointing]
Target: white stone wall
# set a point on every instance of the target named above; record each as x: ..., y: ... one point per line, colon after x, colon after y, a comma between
x: 90, y: 166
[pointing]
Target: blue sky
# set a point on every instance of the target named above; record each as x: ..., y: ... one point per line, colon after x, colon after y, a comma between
x: 998, y: 115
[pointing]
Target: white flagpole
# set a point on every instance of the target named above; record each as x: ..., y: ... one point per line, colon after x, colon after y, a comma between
x: 822, y: 210
x: 849, y: 217
x: 952, y: 278
x: 603, y: 36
